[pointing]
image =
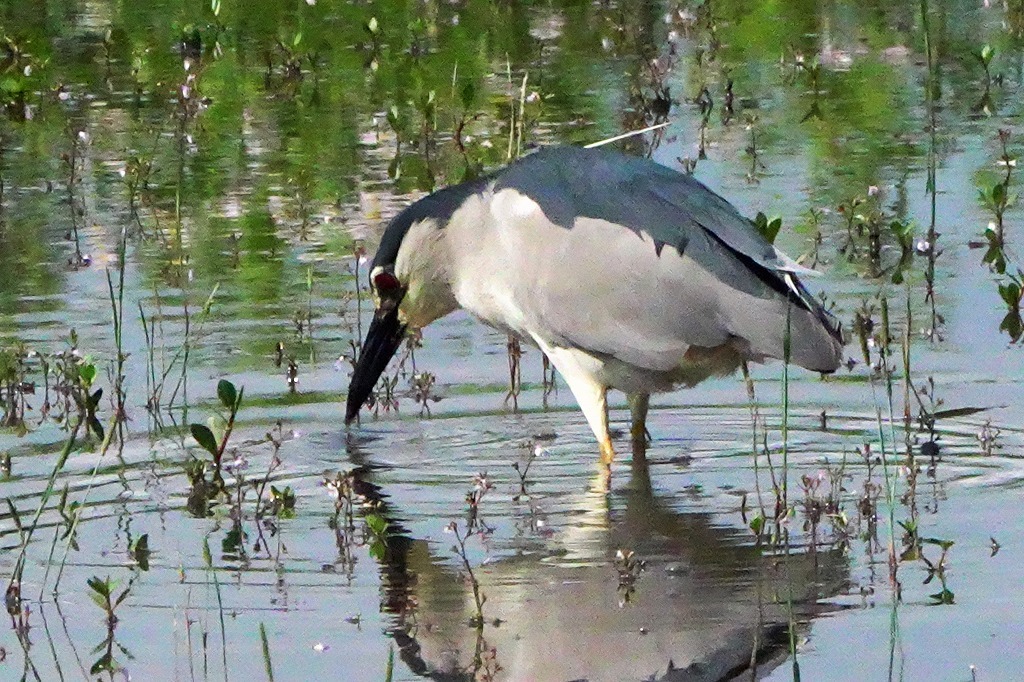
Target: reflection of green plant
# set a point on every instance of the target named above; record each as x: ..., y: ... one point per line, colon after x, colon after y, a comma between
x: 937, y: 569
x: 1012, y: 292
x: 985, y: 55
x: 628, y: 566
x: 12, y: 385
x: 140, y: 552
x: 459, y: 549
x: 19, y: 76
x: 377, y: 535
x: 282, y: 502
x: 997, y: 198
x: 103, y: 594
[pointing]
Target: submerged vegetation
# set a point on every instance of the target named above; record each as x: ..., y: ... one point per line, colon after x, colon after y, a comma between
x: 189, y: 195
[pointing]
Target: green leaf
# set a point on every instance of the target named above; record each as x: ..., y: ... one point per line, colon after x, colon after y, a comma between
x: 227, y: 393
x: 105, y: 663
x: 96, y: 427
x: 468, y: 94
x: 215, y: 7
x: 757, y: 524
x: 207, y: 556
x: 88, y: 373
x: 394, y: 118
x: 218, y: 427
x: 958, y: 412
x: 204, y: 436
x: 944, y: 544
x: 389, y: 671
x: 121, y: 597
x: 372, y: 27
x: 140, y: 552
x: 769, y: 229
x: 297, y: 39
x: 101, y: 587
x: 999, y: 194
x: 377, y: 524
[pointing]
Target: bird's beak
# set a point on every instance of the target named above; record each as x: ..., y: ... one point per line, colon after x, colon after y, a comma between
x: 383, y: 339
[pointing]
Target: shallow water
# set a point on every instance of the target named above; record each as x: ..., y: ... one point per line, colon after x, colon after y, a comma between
x: 264, y: 193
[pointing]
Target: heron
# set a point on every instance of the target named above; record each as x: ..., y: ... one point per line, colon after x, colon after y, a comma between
x: 627, y: 274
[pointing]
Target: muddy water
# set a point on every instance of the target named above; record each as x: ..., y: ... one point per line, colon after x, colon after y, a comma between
x: 265, y: 183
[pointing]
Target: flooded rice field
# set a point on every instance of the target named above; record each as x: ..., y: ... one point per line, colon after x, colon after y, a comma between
x: 189, y: 193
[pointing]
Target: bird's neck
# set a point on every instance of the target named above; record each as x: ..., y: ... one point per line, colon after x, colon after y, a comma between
x: 424, y: 262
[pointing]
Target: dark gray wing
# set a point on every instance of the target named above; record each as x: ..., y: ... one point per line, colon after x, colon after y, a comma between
x: 610, y: 286
x: 639, y: 194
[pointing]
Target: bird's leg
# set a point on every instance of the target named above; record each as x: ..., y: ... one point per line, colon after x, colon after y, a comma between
x: 593, y: 400
x: 590, y: 393
x: 638, y: 406
x: 639, y: 403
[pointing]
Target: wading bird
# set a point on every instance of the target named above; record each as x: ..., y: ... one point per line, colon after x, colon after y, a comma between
x: 625, y: 273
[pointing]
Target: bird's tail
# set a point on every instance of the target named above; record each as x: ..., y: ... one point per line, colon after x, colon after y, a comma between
x: 814, y: 336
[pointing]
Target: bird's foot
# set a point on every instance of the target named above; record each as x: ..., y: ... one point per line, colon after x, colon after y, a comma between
x: 640, y: 434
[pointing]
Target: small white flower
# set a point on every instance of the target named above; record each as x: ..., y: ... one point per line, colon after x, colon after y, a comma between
x: 320, y: 647
x: 187, y: 64
x: 872, y: 190
x: 28, y: 70
x: 239, y: 463
x: 991, y: 229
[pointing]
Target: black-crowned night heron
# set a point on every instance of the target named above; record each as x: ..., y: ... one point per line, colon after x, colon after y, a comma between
x: 625, y: 273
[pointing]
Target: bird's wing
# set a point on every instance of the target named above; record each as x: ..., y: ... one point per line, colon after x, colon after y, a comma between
x: 638, y: 194
x: 641, y: 262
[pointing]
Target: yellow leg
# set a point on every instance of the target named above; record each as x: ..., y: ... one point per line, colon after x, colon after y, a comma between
x: 638, y: 406
x: 607, y: 453
x: 580, y: 372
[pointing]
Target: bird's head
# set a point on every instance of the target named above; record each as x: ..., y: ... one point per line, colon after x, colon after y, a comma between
x: 387, y: 329
x: 410, y: 284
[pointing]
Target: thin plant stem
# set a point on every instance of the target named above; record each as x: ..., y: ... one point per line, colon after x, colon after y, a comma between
x: 267, y: 665
x: 786, y: 354
x: 74, y: 524
x: 19, y: 564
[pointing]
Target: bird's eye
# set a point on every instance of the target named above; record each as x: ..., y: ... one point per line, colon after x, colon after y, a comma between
x: 385, y: 282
